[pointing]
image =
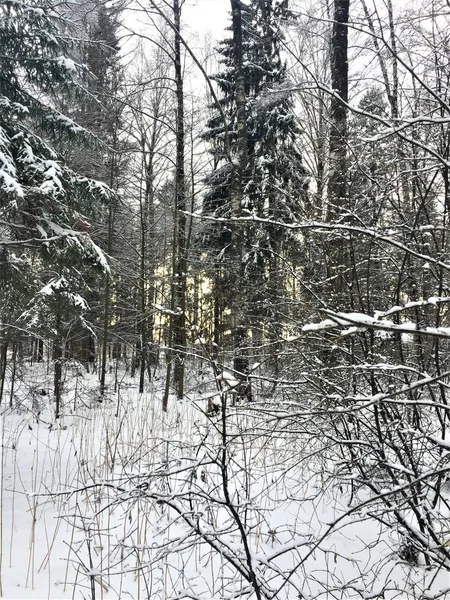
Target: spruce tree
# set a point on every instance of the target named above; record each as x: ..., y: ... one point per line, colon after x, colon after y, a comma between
x: 41, y: 200
x: 44, y: 205
x: 101, y: 112
x: 274, y: 178
x: 101, y: 109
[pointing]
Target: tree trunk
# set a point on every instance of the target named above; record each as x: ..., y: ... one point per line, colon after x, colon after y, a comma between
x: 107, y: 294
x: 13, y: 374
x: 179, y: 283
x: 143, y: 298
x: 38, y: 350
x: 3, y: 364
x: 57, y: 359
x: 237, y: 306
x: 337, y: 184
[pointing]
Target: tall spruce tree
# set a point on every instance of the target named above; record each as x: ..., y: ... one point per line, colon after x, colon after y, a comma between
x: 101, y: 110
x: 102, y: 114
x: 44, y: 204
x: 273, y: 178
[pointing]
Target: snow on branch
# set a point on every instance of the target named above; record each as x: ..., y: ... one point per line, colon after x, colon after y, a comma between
x: 365, y: 321
x: 61, y: 286
x: 8, y: 174
x: 167, y: 311
x: 383, y: 236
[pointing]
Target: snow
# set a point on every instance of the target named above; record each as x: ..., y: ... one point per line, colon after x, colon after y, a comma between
x: 229, y: 379
x: 52, y: 182
x: 16, y: 107
x: 61, y: 286
x: 57, y: 229
x: 27, y: 155
x: 8, y: 174
x: 8, y: 182
x: 165, y: 310
x: 291, y: 338
x: 100, y: 257
x: 376, y: 322
x: 326, y: 324
x: 66, y: 63
x: 65, y: 121
x: 111, y: 497
x: 349, y: 331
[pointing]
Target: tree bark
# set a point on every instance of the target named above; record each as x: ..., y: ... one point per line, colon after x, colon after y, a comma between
x: 179, y: 282
x: 3, y: 365
x: 338, y: 203
x: 237, y: 307
x: 107, y: 291
x: 57, y: 359
x: 337, y: 192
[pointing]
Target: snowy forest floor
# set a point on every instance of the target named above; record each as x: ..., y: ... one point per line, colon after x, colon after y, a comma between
x: 121, y: 500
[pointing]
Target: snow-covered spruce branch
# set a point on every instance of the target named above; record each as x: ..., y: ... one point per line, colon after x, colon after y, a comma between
x: 79, y: 238
x: 32, y: 242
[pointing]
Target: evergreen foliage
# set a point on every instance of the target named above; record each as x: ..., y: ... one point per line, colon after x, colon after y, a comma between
x: 275, y: 160
x: 45, y: 206
x: 274, y: 180
x: 99, y: 110
x: 41, y: 200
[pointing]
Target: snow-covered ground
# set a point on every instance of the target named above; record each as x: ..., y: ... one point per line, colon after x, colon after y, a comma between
x: 123, y: 501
